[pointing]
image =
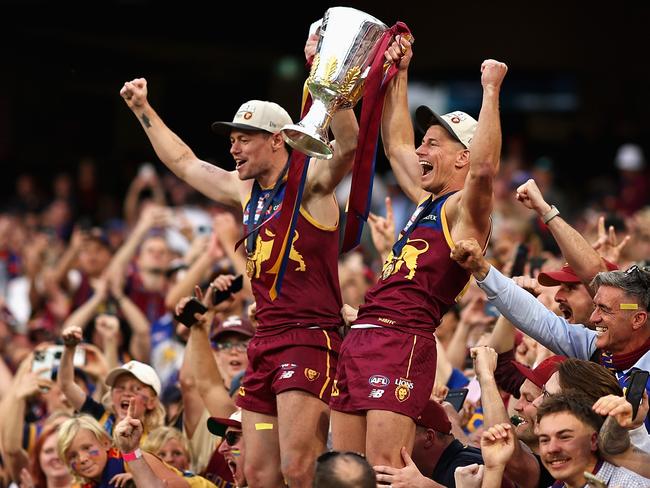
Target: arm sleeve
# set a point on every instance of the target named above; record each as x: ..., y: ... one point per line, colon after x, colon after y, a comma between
x: 534, y: 319
x: 93, y: 408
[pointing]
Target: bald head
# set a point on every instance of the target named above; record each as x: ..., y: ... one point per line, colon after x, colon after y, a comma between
x: 344, y: 470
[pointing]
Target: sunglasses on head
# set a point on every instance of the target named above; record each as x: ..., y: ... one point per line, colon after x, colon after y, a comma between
x: 232, y: 437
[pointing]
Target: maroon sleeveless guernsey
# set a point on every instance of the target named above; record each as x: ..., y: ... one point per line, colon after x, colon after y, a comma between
x: 310, y: 294
x: 418, y: 286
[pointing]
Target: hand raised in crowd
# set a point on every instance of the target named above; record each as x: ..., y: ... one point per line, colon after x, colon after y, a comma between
x: 407, y: 477
x: 107, y: 326
x: 155, y: 216
x: 72, y: 336
x: 400, y: 52
x: 619, y: 408
x: 469, y: 255
x: 485, y: 361
x: 607, y: 244
x: 220, y: 283
x: 382, y: 230
x: 492, y: 73
x: 529, y: 284
x: 129, y: 430
x: 473, y: 314
x: 530, y: 195
x: 31, y: 383
x: 470, y: 476
x: 134, y: 93
x: 497, y: 445
x: 226, y: 229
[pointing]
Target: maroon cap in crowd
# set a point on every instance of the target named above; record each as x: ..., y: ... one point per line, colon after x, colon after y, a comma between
x: 434, y: 417
x: 233, y: 324
x: 565, y: 275
x: 542, y: 372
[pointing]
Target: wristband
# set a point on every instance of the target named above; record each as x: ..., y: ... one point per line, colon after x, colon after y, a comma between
x: 550, y: 215
x: 132, y: 456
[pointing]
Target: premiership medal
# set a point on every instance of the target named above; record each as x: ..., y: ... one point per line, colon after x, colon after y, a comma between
x: 389, y: 269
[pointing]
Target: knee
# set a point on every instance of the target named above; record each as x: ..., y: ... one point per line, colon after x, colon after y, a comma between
x: 297, y: 469
x: 257, y: 476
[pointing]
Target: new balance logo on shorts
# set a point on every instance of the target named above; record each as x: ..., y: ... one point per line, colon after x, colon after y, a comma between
x: 376, y: 393
x: 286, y: 375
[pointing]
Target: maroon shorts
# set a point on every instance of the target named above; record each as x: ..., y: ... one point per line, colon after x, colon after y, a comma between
x: 297, y: 359
x: 384, y: 369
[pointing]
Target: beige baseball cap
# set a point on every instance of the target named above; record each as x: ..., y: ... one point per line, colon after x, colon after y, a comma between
x: 459, y: 124
x: 143, y: 372
x: 255, y: 115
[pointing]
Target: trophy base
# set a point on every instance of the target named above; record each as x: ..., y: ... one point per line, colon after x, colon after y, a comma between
x: 308, y: 143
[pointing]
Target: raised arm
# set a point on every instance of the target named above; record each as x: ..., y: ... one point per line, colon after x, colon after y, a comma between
x: 614, y: 438
x: 485, y: 150
x: 82, y: 315
x: 521, y: 467
x: 65, y: 378
x: 216, y: 183
x: 396, y: 126
x: 576, y: 250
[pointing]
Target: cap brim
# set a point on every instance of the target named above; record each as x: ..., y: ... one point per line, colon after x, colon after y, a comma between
x: 218, y: 426
x: 527, y: 372
x: 425, y: 118
x: 225, y: 128
x: 555, y: 278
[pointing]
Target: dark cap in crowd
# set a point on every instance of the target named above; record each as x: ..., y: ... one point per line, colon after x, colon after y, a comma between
x: 434, y: 417
x: 565, y: 275
x: 542, y: 372
x: 233, y: 324
x: 219, y: 425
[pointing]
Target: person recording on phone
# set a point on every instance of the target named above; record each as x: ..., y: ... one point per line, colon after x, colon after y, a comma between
x: 436, y: 454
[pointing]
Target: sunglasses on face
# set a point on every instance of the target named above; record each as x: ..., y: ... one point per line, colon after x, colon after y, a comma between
x: 232, y: 437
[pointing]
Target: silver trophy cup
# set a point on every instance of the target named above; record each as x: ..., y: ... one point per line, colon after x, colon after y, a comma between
x: 347, y: 45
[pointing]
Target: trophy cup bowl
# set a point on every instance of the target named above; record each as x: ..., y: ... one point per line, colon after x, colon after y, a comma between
x: 348, y: 42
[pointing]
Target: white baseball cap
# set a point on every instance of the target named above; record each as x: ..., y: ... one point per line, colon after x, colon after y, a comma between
x: 143, y: 372
x: 460, y: 125
x: 255, y: 115
x: 219, y: 425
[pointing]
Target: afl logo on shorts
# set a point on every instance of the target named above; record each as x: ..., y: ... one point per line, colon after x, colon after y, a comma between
x: 310, y: 374
x: 378, y: 380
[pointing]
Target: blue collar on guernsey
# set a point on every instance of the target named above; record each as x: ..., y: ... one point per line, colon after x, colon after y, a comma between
x: 420, y: 213
x: 258, y: 207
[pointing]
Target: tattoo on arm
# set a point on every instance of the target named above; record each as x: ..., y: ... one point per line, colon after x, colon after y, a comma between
x: 209, y: 167
x: 613, y: 439
x: 145, y: 121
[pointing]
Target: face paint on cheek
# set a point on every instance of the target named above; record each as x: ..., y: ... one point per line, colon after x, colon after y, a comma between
x: 93, y: 452
x: 73, y: 466
x: 235, y: 452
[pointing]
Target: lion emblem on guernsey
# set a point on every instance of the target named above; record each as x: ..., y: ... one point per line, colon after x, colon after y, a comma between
x: 263, y: 252
x: 408, y: 257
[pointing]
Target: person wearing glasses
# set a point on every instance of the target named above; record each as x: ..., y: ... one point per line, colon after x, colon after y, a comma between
x: 230, y: 342
x: 621, y: 339
x: 232, y: 444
